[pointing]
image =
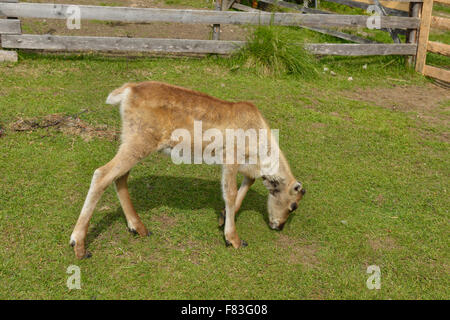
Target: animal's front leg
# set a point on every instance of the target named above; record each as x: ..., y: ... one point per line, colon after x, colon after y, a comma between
x: 229, y: 187
x: 242, y: 192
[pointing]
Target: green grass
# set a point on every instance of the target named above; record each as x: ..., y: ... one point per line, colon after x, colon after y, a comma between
x: 200, y: 4
x: 441, y: 8
x: 377, y: 181
x: 270, y: 50
x: 347, y: 166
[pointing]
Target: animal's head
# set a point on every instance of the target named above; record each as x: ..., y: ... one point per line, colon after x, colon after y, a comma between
x: 283, y: 200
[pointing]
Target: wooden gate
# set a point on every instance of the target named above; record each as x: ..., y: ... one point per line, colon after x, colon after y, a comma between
x: 424, y: 45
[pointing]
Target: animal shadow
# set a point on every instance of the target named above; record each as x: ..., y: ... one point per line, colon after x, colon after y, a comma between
x: 177, y: 193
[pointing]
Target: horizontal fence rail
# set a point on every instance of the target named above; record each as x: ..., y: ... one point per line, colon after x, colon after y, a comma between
x: 117, y: 44
x: 440, y: 23
x: 350, y: 49
x: 146, y: 15
x: 437, y: 73
x: 439, y: 48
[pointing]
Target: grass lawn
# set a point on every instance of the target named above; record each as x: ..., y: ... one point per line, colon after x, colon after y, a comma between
x: 377, y: 181
x: 372, y: 153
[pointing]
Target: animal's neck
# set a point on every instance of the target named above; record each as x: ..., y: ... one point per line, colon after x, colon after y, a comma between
x: 283, y: 173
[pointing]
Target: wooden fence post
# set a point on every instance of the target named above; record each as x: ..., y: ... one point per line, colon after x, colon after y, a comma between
x: 411, y: 34
x: 424, y: 31
x: 221, y: 5
x: 216, y: 27
x: 9, y: 26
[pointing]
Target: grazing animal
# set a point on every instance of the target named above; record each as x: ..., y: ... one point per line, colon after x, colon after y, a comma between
x: 151, y: 112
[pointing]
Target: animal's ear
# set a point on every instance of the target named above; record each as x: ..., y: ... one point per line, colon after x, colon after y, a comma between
x: 272, y: 185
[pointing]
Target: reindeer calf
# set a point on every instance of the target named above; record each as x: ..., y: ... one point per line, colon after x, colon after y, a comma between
x: 151, y: 112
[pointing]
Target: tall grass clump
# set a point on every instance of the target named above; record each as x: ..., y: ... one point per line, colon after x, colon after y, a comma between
x: 271, y: 52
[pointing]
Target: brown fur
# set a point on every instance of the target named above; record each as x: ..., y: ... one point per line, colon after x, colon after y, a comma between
x: 151, y: 111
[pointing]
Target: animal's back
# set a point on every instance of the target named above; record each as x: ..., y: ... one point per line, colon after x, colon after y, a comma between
x: 182, y: 103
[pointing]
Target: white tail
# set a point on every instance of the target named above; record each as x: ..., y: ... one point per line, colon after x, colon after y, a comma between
x: 118, y: 95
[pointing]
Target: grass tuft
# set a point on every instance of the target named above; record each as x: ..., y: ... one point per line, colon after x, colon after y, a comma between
x: 270, y: 52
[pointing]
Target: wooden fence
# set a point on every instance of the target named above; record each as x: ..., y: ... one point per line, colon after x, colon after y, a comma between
x: 428, y: 21
x: 12, y: 37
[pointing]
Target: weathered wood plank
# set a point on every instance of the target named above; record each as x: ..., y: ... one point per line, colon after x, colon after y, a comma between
x: 439, y: 48
x: 440, y: 23
x: 242, y: 7
x: 346, y: 49
x: 56, y: 11
x: 115, y: 44
x: 72, y: 43
x: 437, y: 73
x: 411, y: 34
x: 8, y: 56
x: 227, y: 4
x: 10, y: 1
x: 8, y: 26
x: 425, y: 21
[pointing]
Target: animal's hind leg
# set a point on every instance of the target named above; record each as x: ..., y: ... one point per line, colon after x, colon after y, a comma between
x: 124, y: 160
x: 134, y: 223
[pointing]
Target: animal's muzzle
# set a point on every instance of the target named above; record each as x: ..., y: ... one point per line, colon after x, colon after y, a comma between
x: 277, y: 227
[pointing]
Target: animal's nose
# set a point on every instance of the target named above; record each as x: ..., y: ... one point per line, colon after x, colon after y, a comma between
x: 278, y: 227
x: 303, y: 192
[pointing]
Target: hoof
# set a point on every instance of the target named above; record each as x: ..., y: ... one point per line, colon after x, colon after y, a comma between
x: 133, y: 231
x: 144, y: 232
x: 243, y: 244
x: 80, y: 252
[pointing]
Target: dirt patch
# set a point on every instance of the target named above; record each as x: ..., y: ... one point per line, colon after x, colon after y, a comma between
x: 387, y: 243
x: 424, y: 100
x: 71, y: 125
x: 299, y: 252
